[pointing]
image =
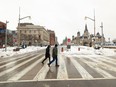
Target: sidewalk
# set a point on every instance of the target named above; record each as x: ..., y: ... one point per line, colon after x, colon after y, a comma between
x: 63, y: 83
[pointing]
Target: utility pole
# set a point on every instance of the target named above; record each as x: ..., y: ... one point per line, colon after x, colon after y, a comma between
x: 19, y: 27
x: 94, y: 24
x: 93, y: 19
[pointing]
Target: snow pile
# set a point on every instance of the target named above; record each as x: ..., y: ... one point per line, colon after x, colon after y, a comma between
x: 83, y: 50
x: 10, y: 51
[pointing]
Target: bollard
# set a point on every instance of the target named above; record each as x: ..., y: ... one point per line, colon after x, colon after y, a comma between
x: 79, y: 49
x: 62, y: 49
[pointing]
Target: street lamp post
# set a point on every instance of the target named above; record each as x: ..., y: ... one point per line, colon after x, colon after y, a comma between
x: 102, y: 33
x: 93, y: 19
x: 6, y: 37
x: 19, y: 26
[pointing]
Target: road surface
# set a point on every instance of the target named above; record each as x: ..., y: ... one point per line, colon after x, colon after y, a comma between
x: 74, y: 71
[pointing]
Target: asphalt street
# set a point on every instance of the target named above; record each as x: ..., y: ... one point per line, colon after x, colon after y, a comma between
x: 74, y: 71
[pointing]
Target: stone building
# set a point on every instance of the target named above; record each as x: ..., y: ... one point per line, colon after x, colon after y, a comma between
x: 52, y: 37
x: 31, y: 34
x: 87, y: 39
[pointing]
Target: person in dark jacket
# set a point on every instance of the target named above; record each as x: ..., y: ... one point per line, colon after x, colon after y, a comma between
x: 54, y: 55
x: 47, y: 54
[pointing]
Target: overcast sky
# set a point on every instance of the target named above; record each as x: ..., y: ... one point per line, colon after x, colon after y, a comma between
x: 65, y: 17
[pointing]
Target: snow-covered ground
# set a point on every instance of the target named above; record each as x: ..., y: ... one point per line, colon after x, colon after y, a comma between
x: 89, y: 51
x: 10, y: 51
x: 74, y: 50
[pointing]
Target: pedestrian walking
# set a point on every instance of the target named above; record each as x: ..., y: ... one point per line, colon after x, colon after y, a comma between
x: 54, y: 55
x: 47, y: 54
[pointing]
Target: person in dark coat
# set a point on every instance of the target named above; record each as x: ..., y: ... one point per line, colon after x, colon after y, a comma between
x: 47, y: 54
x: 55, y: 56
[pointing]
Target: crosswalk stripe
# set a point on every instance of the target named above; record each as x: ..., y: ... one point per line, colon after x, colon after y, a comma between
x: 15, y: 58
x: 42, y: 73
x: 13, y: 68
x: 81, y: 70
x: 13, y: 62
x: 103, y: 58
x: 108, y: 58
x: 23, y: 72
x: 62, y: 72
x: 103, y: 65
x: 112, y: 61
x: 95, y: 67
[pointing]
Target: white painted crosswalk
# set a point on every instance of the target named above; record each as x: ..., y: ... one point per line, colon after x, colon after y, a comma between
x: 62, y: 72
x: 98, y: 69
x: 42, y: 73
x: 20, y: 74
x: 88, y: 66
x: 81, y: 70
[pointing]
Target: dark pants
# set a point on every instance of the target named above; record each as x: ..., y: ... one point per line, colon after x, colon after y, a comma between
x: 54, y: 58
x: 46, y: 58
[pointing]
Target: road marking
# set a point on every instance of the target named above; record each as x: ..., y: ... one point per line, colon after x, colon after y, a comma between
x: 107, y: 59
x: 81, y: 70
x: 102, y: 58
x: 42, y: 73
x: 103, y: 65
x: 13, y: 62
x: 13, y: 68
x: 23, y: 72
x: 95, y: 67
x: 15, y: 58
x: 62, y: 72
